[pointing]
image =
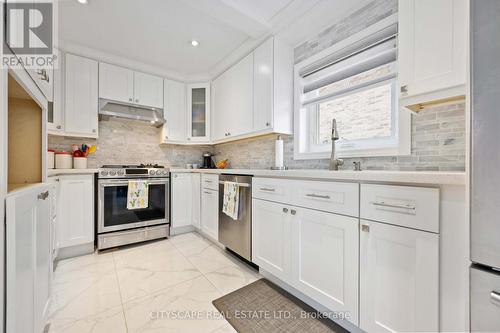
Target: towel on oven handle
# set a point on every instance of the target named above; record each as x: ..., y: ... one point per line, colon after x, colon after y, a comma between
x: 137, y: 196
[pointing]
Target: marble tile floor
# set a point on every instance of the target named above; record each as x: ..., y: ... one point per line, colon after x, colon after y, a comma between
x: 164, y: 286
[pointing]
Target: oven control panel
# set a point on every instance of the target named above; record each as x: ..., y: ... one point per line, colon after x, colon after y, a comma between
x: 134, y: 173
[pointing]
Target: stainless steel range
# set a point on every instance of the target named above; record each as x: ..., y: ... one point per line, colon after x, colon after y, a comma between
x: 116, y: 224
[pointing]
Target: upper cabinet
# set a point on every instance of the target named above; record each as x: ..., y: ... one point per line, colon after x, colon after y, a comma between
x: 174, y: 111
x: 255, y: 96
x: 126, y: 86
x: 116, y: 83
x: 432, y: 50
x: 81, y: 96
x: 198, y: 98
x: 233, y: 100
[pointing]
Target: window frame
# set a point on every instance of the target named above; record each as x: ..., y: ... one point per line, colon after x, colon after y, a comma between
x: 304, y: 148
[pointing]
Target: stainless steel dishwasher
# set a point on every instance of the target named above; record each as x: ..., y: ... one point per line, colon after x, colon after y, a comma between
x: 236, y: 235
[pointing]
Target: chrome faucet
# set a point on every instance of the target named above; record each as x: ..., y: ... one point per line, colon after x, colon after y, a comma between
x: 334, y: 161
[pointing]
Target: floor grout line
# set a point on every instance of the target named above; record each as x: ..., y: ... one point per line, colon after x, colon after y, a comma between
x: 120, y: 291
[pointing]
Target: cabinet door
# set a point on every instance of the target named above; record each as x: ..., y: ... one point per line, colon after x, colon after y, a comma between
x: 116, y: 83
x: 198, y: 112
x: 81, y: 114
x: 325, y: 260
x: 263, y: 86
x: 175, y: 112
x: 271, y: 238
x: 27, y: 268
x: 196, y: 199
x: 43, y: 259
x: 181, y: 199
x: 75, y: 217
x: 55, y: 113
x: 432, y: 45
x: 399, y: 279
x: 148, y: 90
x: 220, y: 93
x: 210, y: 213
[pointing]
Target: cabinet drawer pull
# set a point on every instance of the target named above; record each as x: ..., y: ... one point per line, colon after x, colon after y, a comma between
x: 285, y: 210
x: 383, y: 204
x: 293, y: 212
x: 365, y: 228
x: 267, y: 189
x: 207, y: 192
x: 312, y: 195
x: 43, y: 196
x: 495, y: 298
x: 404, y: 89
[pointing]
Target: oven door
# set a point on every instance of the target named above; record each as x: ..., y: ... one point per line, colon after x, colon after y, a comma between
x: 113, y: 212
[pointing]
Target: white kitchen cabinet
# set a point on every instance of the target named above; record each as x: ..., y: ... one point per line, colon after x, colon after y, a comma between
x: 325, y: 253
x: 272, y: 238
x: 55, y: 113
x: 210, y: 213
x: 116, y: 83
x: 196, y: 200
x: 255, y: 96
x: 432, y: 50
x: 182, y: 193
x: 148, y: 90
x: 75, y: 215
x: 175, y: 112
x: 198, y: 100
x: 399, y: 279
x: 234, y: 100
x: 81, y: 96
x: 28, y: 257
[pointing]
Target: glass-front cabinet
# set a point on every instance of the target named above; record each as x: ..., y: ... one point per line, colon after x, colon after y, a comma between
x: 198, y: 96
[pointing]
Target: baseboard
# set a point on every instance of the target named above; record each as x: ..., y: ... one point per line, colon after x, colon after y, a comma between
x: 75, y: 251
x: 306, y: 299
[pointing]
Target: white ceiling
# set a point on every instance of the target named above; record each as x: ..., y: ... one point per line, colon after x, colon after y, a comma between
x: 158, y: 32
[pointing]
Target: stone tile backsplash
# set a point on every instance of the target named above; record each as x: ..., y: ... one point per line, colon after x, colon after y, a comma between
x: 124, y: 141
x: 438, y: 144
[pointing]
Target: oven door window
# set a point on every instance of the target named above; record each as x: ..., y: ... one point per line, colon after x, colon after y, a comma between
x: 115, y: 206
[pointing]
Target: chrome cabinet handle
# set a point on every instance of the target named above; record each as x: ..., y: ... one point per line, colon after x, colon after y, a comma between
x: 238, y: 184
x: 404, y: 89
x: 94, y: 130
x: 312, y: 195
x: 207, y: 192
x: 365, y: 228
x: 130, y: 100
x: 383, y: 204
x: 43, y: 195
x: 268, y: 124
x: 137, y: 100
x: 267, y: 189
x: 293, y: 212
x: 285, y: 210
x: 495, y: 298
x: 58, y: 126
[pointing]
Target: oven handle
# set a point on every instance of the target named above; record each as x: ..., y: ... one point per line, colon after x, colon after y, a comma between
x: 110, y: 183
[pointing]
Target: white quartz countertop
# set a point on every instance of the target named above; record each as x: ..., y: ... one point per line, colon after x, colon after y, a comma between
x: 410, y: 177
x: 61, y: 172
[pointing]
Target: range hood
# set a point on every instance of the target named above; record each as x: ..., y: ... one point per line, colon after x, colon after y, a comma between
x: 154, y: 116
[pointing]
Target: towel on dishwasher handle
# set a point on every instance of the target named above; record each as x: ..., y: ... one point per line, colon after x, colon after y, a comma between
x: 231, y: 202
x: 138, y: 194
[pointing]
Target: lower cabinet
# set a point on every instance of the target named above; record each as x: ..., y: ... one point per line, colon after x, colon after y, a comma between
x: 28, y: 259
x: 325, y: 256
x: 399, y: 279
x: 210, y: 213
x: 271, y: 238
x: 313, y: 251
x: 182, y: 191
x: 75, y: 217
x: 196, y: 200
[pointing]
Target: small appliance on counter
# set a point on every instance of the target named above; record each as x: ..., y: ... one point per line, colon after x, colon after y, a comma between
x: 208, y: 162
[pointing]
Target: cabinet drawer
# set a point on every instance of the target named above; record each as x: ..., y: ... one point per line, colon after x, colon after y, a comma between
x: 412, y: 207
x: 272, y: 189
x: 210, y: 182
x: 335, y: 197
